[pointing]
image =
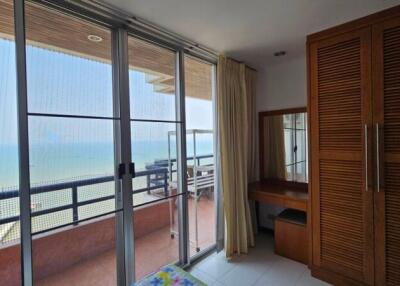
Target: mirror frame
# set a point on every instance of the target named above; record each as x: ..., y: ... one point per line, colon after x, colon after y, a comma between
x: 261, y: 116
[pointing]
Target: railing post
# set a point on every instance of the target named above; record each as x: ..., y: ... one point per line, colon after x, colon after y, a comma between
x: 166, y: 183
x: 171, y: 170
x: 148, y: 183
x: 75, y: 216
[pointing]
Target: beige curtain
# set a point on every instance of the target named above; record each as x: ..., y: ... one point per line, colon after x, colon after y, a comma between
x: 274, y: 148
x: 250, y: 84
x: 233, y: 135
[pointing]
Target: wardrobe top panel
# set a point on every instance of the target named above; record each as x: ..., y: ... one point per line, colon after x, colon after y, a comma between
x: 355, y: 24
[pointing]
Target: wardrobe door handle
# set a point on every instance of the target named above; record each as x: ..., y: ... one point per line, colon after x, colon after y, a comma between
x: 378, y: 170
x: 366, y: 155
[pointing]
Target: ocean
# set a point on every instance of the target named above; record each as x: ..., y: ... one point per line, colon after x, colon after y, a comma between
x: 60, y: 162
x: 54, y: 163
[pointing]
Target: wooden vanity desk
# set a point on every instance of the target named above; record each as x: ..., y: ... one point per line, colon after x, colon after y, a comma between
x: 287, y: 195
x: 283, y: 194
x: 283, y: 165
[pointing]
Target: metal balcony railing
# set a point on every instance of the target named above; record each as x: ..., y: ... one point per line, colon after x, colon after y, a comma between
x: 157, y: 175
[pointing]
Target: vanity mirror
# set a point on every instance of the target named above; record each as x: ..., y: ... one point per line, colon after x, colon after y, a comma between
x: 284, y: 145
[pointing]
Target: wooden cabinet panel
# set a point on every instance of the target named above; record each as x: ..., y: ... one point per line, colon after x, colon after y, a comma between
x: 339, y: 96
x: 341, y: 214
x: 340, y: 108
x: 285, y: 245
x: 354, y: 111
x: 386, y: 57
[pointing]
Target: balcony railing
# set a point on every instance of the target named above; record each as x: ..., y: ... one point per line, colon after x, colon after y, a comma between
x: 157, y: 176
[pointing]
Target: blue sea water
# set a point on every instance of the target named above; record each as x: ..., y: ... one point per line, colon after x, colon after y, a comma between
x: 59, y: 162
x: 55, y: 163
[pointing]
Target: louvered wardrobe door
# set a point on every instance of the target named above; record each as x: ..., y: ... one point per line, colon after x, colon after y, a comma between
x: 386, y: 55
x: 342, y: 204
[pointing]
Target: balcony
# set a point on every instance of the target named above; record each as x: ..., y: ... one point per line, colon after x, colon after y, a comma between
x: 80, y: 250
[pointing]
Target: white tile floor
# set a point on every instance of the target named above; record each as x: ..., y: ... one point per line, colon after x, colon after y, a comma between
x: 261, y: 267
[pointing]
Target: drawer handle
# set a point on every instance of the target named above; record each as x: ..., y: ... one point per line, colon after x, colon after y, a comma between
x: 366, y: 155
x: 378, y: 183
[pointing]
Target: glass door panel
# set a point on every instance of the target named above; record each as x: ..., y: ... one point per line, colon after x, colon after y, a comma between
x: 200, y: 154
x: 151, y: 80
x: 71, y: 149
x: 10, y: 252
x: 154, y: 150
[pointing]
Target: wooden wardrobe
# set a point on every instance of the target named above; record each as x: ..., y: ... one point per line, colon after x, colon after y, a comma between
x: 354, y: 123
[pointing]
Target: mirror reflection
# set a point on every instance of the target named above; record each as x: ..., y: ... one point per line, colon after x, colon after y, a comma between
x: 284, y: 146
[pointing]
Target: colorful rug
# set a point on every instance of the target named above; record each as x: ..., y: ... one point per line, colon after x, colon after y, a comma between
x: 170, y: 275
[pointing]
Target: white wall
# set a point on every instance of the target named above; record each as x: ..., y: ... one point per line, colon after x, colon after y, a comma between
x: 281, y: 85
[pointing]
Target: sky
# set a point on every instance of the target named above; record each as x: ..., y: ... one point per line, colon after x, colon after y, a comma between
x: 64, y: 84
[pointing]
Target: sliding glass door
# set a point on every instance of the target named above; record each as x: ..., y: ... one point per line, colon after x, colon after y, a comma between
x: 10, y: 246
x: 71, y: 149
x: 99, y: 137
x: 152, y: 77
x: 201, y: 183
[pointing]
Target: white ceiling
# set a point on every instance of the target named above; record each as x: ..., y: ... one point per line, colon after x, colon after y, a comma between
x: 251, y: 30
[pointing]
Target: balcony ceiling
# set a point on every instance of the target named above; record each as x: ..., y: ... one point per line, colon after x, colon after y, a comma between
x: 54, y: 31
x: 251, y: 30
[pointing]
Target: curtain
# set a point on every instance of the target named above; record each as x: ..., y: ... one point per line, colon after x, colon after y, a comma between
x: 250, y: 84
x: 220, y: 225
x: 233, y: 139
x: 274, y: 148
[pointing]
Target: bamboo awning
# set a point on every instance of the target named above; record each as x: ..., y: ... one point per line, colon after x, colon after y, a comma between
x: 50, y: 29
